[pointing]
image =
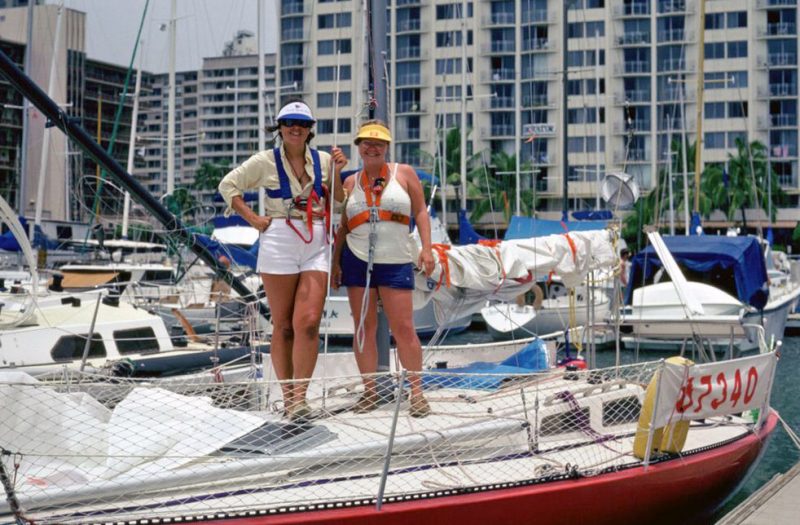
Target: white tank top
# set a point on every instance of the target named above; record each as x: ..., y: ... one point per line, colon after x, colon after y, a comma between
x: 392, y: 246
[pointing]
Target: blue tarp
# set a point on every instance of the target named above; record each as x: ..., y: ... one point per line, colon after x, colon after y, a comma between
x: 238, y: 255
x: 710, y: 259
x: 466, y: 233
x: 527, y: 227
x: 9, y: 243
x: 532, y: 358
x: 234, y: 220
x: 592, y: 215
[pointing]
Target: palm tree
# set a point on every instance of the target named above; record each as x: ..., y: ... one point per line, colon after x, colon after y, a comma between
x: 501, y: 192
x: 181, y: 203
x: 746, y: 184
x: 453, y: 164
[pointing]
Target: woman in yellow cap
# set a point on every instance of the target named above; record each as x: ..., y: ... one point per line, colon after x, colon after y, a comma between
x: 293, y: 250
x: 372, y: 253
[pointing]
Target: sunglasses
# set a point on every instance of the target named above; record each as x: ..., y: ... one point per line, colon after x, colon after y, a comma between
x: 291, y: 122
x: 373, y: 144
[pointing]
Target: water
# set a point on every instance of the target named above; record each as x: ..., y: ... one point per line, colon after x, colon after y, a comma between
x: 781, y: 454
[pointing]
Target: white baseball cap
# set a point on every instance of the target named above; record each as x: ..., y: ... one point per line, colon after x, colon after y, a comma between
x: 296, y: 111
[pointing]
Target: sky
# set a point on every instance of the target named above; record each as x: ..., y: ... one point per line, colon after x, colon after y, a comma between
x: 203, y: 28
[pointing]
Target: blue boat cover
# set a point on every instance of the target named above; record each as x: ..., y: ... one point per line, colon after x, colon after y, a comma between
x: 528, y: 227
x: 238, y: 255
x: 9, y: 243
x: 466, y: 233
x: 708, y: 257
x: 221, y: 221
x: 592, y: 215
x: 532, y: 358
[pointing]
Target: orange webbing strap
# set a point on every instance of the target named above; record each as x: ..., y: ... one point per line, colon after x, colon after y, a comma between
x: 385, y: 215
x: 441, y: 251
x: 572, y: 247
x: 489, y: 242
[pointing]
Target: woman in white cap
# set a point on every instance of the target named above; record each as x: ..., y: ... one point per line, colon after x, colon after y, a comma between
x: 372, y: 252
x: 293, y: 243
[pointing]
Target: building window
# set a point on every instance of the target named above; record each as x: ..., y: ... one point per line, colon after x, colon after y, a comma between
x: 328, y: 73
x: 737, y: 19
x: 714, y: 51
x: 714, y: 140
x: 737, y: 49
x: 714, y: 110
x: 715, y: 20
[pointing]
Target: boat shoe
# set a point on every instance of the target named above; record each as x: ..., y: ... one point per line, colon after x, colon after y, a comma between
x: 300, y: 412
x: 419, y: 407
x: 367, y: 402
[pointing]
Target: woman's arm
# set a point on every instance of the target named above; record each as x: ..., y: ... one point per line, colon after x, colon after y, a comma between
x: 338, y: 162
x: 420, y: 213
x: 339, y: 241
x: 259, y: 222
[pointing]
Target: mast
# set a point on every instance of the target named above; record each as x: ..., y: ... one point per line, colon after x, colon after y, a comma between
x: 126, y: 208
x: 564, y: 114
x: 262, y: 139
x: 698, y: 153
x: 518, y: 111
x: 50, y: 109
x: 171, y: 104
x: 463, y: 151
x: 51, y: 85
x: 23, y: 154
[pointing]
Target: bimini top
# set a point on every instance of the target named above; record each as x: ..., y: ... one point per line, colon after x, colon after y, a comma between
x: 733, y: 264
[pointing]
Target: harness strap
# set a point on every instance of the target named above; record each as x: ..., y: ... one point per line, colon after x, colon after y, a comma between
x: 383, y: 215
x: 318, y: 193
x: 373, y: 200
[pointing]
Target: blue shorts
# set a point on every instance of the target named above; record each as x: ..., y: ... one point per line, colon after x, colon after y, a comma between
x: 354, y: 273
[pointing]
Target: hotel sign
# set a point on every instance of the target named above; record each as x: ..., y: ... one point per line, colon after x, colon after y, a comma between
x: 539, y: 130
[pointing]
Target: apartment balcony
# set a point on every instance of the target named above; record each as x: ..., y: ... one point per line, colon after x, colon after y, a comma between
x: 779, y: 120
x: 637, y: 125
x: 634, y: 155
x: 410, y: 25
x: 498, y: 20
x: 632, y: 67
x: 633, y: 97
x: 676, y: 7
x: 631, y: 10
x: 782, y: 59
x: 499, y: 103
x: 294, y: 34
x: 412, y: 53
x: 765, y: 4
x: 676, y: 35
x: 778, y: 29
x: 409, y: 79
x: 634, y: 38
x: 499, y: 47
x: 412, y: 134
x: 498, y: 75
x: 540, y: 16
x: 296, y: 9
x: 538, y: 101
x: 410, y: 108
x: 675, y: 64
x: 675, y: 124
x: 538, y: 44
x: 498, y: 131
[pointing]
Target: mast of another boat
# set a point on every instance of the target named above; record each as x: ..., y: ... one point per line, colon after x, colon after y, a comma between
x: 463, y: 116
x: 262, y: 139
x: 51, y: 85
x: 171, y: 103
x: 698, y: 153
x: 126, y: 208
x: 518, y: 112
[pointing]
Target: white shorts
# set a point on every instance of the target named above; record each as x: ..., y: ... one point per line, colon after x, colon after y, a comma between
x: 281, y: 250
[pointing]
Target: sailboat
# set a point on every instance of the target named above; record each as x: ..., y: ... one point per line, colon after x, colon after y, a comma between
x: 510, y: 442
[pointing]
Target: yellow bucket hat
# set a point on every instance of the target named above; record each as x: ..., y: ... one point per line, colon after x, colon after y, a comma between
x: 373, y: 131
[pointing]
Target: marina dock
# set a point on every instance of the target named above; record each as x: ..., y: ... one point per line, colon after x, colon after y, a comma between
x: 777, y: 502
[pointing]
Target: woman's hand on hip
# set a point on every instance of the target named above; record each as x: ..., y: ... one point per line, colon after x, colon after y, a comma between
x: 426, y: 261
x: 261, y: 222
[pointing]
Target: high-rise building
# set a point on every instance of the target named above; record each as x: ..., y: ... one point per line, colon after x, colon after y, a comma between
x: 632, y: 69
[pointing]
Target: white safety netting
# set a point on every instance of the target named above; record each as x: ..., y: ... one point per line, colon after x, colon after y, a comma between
x: 83, y: 448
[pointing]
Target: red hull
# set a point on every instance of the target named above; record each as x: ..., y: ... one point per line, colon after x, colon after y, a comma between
x: 677, y: 491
